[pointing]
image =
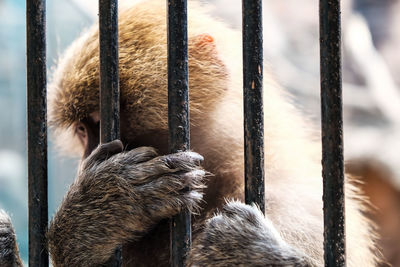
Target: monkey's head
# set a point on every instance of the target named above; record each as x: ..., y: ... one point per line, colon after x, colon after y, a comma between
x: 74, y: 91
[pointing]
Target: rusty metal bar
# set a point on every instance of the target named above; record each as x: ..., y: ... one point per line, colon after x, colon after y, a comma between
x: 109, y: 83
x: 109, y: 78
x: 253, y: 102
x: 332, y: 133
x: 37, y: 131
x: 178, y: 116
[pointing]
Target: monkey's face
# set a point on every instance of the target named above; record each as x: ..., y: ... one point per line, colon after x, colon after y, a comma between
x: 87, y: 131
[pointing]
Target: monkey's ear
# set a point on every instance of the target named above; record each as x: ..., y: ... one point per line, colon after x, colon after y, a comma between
x: 202, y: 41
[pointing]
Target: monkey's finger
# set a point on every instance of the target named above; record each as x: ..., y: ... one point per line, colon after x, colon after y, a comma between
x: 138, y: 155
x: 172, y: 185
x: 147, y: 171
x: 236, y: 210
x: 182, y: 160
x: 171, y: 206
x: 103, y: 152
x: 192, y: 180
x: 125, y: 165
x: 167, y: 195
x: 185, y: 181
x: 158, y: 168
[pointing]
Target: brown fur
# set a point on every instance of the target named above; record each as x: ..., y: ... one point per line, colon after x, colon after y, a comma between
x: 106, y: 206
x: 9, y: 255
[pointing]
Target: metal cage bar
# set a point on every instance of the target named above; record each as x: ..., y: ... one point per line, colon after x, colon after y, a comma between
x: 37, y: 131
x: 332, y: 133
x: 253, y: 102
x: 109, y: 78
x: 109, y: 83
x: 178, y: 116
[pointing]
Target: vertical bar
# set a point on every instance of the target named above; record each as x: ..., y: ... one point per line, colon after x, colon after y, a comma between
x: 178, y: 116
x: 109, y: 83
x: 37, y: 131
x: 332, y: 133
x: 253, y: 102
x: 109, y: 77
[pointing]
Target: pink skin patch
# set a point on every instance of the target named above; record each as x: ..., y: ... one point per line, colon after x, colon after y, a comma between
x: 204, y: 40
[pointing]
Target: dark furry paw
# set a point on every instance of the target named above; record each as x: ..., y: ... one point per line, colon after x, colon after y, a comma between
x: 157, y: 186
x: 167, y: 184
x: 9, y: 255
x: 241, y: 235
x: 118, y: 197
x: 103, y: 152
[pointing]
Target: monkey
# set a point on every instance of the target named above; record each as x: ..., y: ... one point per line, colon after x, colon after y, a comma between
x: 127, y: 190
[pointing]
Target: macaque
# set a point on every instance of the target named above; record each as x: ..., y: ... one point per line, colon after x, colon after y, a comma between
x: 127, y: 190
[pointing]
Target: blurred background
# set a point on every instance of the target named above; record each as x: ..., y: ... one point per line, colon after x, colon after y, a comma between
x: 371, y: 75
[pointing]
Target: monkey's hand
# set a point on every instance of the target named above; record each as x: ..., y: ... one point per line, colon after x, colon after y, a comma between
x: 117, y: 197
x: 240, y: 235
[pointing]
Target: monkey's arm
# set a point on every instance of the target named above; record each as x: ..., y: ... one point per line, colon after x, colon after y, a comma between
x: 9, y: 255
x: 241, y: 235
x: 118, y: 198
